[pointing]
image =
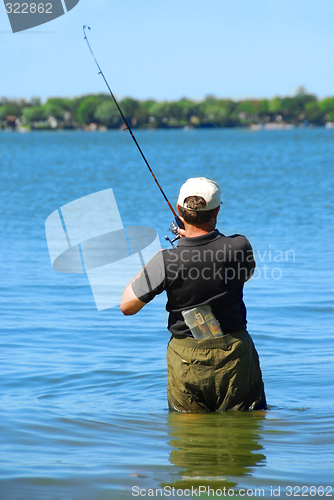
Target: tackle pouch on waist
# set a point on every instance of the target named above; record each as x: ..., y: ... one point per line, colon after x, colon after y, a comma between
x: 202, y: 323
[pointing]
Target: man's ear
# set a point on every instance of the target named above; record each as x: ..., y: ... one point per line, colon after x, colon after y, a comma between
x: 217, y: 211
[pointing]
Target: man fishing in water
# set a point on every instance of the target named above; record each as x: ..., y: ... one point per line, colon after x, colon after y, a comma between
x: 205, y: 269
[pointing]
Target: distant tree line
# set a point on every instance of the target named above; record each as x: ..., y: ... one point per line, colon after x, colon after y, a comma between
x: 100, y: 111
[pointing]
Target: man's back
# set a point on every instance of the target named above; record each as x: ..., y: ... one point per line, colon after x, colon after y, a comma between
x: 209, y: 269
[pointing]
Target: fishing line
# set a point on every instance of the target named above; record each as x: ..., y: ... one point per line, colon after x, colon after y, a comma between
x: 128, y: 127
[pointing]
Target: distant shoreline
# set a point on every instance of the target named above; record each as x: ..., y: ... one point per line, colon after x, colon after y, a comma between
x: 253, y: 128
x: 99, y: 112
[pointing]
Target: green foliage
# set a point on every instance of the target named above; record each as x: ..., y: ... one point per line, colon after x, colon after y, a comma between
x: 57, y: 107
x: 11, y: 108
x: 327, y: 105
x: 264, y: 107
x: 313, y: 113
x: 327, y: 108
x: 302, y: 108
x: 75, y: 103
x: 275, y: 105
x: 59, y: 101
x: 218, y: 112
x: 3, y: 113
x: 249, y: 107
x: 107, y: 114
x: 249, y: 111
x: 129, y: 107
x: 144, y: 113
x: 86, y: 109
x: 168, y: 113
x: 293, y: 107
x: 33, y: 114
x: 161, y: 111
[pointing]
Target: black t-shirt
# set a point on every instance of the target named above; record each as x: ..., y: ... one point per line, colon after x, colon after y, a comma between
x: 209, y: 269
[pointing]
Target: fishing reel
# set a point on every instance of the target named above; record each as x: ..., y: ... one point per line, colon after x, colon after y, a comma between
x: 173, y: 229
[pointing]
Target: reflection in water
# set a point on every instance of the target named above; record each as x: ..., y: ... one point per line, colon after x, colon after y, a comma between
x: 210, y: 448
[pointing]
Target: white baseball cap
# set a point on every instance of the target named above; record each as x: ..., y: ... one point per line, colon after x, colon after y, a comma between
x: 200, y: 186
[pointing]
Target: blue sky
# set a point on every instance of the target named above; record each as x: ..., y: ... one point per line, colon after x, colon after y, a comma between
x: 174, y: 48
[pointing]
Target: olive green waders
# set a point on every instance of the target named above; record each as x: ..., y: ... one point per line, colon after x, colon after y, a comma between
x: 218, y: 374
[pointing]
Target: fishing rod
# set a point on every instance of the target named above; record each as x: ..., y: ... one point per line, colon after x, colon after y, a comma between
x: 178, y: 222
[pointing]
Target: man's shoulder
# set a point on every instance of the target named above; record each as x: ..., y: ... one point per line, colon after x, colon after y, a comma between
x: 237, y: 240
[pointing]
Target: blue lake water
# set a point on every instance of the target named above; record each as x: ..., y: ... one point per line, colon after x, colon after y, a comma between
x: 83, y: 393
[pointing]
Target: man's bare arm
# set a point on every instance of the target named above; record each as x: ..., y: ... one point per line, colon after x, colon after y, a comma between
x: 130, y: 303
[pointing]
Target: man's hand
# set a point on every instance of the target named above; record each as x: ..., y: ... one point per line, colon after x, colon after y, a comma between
x: 182, y: 232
